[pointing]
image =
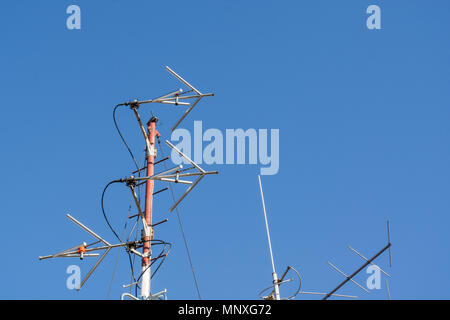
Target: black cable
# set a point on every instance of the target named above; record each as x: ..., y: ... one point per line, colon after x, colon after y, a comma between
x: 132, y: 274
x: 164, y: 256
x: 132, y: 260
x: 162, y: 261
x: 136, y: 281
x: 121, y: 136
x: 161, y: 255
x: 160, y: 241
x: 103, y: 209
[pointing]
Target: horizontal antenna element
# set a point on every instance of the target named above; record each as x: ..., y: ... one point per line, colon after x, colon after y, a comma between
x: 201, y: 173
x: 83, y: 250
x: 174, y: 98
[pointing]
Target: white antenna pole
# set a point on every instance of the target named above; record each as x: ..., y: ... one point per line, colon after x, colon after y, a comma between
x: 274, y: 274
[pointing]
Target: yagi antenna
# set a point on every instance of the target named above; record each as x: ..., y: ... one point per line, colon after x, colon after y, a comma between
x: 198, y: 97
x: 368, y: 261
x: 171, y: 175
x: 200, y: 174
x: 84, y: 250
x: 176, y: 98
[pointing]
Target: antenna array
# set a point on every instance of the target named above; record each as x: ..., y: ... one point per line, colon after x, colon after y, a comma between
x: 176, y: 175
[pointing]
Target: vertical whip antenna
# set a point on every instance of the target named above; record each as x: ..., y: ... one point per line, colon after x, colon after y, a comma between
x: 274, y: 274
x: 277, y: 282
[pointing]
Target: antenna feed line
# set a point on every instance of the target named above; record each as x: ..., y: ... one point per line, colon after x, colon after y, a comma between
x: 132, y: 104
x: 128, y: 181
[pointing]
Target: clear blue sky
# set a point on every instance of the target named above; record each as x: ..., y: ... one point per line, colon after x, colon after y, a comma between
x: 364, y: 137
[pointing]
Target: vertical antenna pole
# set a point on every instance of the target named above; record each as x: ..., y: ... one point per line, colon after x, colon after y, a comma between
x: 148, y: 236
x: 274, y: 274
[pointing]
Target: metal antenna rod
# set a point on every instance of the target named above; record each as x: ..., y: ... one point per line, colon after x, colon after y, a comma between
x: 359, y: 254
x: 336, y: 268
x: 274, y: 274
x: 387, y: 289
x: 389, y: 241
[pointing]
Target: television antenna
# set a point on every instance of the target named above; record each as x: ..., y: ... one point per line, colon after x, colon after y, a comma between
x: 190, y: 176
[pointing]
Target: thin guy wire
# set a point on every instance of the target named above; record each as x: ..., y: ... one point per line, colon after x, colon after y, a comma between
x: 181, y: 227
x: 118, y: 255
